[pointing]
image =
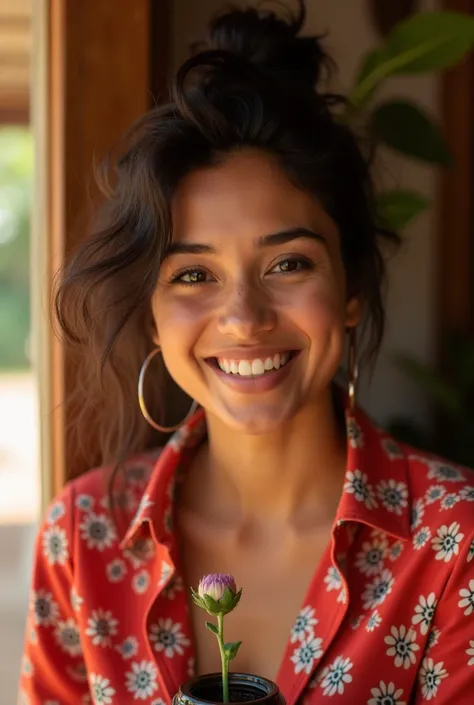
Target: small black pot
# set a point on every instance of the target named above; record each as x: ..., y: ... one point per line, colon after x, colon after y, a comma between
x: 243, y: 688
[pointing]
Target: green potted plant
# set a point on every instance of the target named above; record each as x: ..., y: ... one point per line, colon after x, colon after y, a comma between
x: 217, y: 595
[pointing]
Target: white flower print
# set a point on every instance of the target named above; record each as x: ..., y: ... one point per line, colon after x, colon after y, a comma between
x: 75, y: 599
x: 430, y: 677
x: 342, y: 597
x: 443, y: 472
x: 402, y: 646
x: 45, y: 609
x: 27, y: 667
x: 449, y: 500
x: 333, y: 579
x: 140, y: 552
x: 434, y: 493
x: 84, y: 502
x: 470, y: 553
x: 393, y: 495
x: 304, y: 625
x: 354, y: 434
x: 417, y: 512
x: 358, y: 486
x: 78, y: 672
x: 433, y: 638
x: 421, y: 537
x: 335, y: 676
x: 56, y: 511
x: 158, y: 701
x: 101, y: 626
x: 116, y: 570
x: 68, y: 638
x: 386, y: 694
x: 424, y: 612
x: 101, y: 690
x: 374, y: 621
x: 446, y: 543
x: 376, y: 592
x: 467, y: 601
x: 166, y: 571
x: 141, y: 680
x: 145, y: 503
x: 191, y: 667
x: 391, y: 448
x: 55, y: 545
x: 306, y: 654
x: 128, y: 648
x: 98, y: 531
x: 395, y: 550
x: 470, y: 652
x: 141, y: 582
x: 370, y: 560
x: 168, y: 637
x: 467, y: 493
x: 355, y: 624
x: 174, y: 586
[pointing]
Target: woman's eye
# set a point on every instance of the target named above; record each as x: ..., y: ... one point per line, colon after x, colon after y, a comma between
x: 190, y: 276
x: 287, y: 266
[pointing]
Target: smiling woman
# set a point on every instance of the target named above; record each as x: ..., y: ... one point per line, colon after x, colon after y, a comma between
x: 239, y: 247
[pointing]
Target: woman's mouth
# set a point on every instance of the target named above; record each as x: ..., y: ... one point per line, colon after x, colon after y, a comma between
x: 254, y: 375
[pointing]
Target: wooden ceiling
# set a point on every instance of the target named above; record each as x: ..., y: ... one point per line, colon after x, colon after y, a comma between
x: 15, y: 56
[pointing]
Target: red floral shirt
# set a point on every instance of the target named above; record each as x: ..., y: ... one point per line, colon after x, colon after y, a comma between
x: 388, y: 617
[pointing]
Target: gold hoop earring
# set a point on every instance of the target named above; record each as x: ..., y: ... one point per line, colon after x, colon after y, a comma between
x: 353, y: 368
x: 141, y: 399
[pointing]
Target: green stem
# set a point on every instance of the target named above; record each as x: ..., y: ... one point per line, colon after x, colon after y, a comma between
x: 225, y: 662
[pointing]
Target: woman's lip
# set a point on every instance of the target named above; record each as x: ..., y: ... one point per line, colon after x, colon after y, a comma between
x: 253, y: 384
x: 250, y: 353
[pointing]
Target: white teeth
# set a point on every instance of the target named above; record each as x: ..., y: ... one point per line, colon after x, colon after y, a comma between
x: 245, y: 368
x: 250, y: 368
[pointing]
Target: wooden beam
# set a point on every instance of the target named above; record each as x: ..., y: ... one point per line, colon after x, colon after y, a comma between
x: 99, y: 83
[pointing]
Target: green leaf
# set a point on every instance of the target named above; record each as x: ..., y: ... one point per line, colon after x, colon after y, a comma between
x: 424, y: 42
x: 406, y: 128
x: 212, y: 627
x: 212, y: 605
x: 227, y: 600
x: 236, y: 600
x: 431, y: 41
x: 198, y: 600
x: 231, y: 649
x: 396, y: 208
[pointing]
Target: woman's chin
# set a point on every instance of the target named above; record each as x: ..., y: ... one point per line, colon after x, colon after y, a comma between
x: 256, y: 419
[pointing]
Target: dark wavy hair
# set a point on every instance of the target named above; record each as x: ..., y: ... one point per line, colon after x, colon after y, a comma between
x: 252, y: 83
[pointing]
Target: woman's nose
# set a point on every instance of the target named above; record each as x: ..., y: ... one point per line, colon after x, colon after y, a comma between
x: 246, y: 313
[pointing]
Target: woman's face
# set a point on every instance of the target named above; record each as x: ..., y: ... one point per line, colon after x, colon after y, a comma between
x: 250, y: 305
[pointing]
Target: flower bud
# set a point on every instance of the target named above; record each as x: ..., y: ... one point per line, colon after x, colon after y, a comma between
x: 217, y: 594
x: 215, y: 584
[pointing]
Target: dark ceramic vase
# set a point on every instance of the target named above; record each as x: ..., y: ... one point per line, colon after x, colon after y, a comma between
x: 243, y: 688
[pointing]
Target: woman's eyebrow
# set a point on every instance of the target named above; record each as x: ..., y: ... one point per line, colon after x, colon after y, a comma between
x: 282, y: 237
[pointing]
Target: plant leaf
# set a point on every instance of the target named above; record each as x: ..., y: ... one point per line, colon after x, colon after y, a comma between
x: 212, y: 605
x: 231, y: 649
x: 424, y: 42
x: 212, y: 627
x: 405, y: 127
x: 237, y: 597
x: 396, y: 208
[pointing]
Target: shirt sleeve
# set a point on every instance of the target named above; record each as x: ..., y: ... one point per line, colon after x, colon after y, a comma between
x: 446, y: 674
x: 52, y: 666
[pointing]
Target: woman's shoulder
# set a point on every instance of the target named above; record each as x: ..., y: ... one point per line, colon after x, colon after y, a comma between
x: 104, y: 491
x: 441, y: 493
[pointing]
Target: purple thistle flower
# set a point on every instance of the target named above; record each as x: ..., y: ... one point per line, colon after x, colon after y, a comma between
x: 215, y: 584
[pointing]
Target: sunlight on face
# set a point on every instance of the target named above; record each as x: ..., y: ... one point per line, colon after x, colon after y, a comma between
x: 250, y: 305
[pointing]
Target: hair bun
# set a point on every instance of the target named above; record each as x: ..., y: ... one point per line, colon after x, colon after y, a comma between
x: 269, y: 42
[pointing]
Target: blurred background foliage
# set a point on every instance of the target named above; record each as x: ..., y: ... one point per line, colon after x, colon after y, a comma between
x: 16, y: 175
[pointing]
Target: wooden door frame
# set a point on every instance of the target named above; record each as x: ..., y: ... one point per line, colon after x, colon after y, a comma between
x: 455, y: 241
x: 93, y: 74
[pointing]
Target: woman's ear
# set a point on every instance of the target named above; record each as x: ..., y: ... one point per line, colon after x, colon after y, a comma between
x: 354, y: 312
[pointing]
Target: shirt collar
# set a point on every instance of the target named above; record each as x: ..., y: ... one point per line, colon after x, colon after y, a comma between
x: 375, y: 493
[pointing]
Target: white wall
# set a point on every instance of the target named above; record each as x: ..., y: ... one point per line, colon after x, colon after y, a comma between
x: 410, y: 304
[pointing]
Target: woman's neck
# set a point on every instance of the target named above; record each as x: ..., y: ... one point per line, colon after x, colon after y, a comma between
x: 292, y: 477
